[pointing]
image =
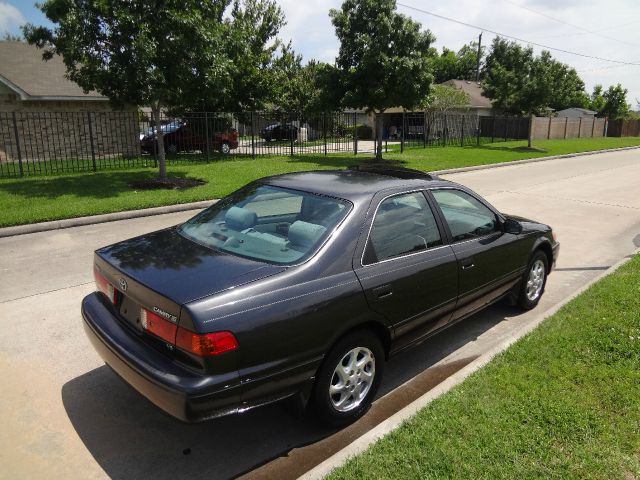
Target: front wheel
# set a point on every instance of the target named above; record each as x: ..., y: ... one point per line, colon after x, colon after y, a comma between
x: 534, y: 281
x: 349, y: 378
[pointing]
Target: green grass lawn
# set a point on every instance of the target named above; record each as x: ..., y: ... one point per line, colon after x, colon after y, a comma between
x: 42, y: 198
x: 563, y: 402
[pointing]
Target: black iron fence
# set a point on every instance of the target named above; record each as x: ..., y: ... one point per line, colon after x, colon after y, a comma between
x: 34, y: 143
x: 431, y: 129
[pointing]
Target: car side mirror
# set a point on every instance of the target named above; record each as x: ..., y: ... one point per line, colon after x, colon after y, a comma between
x: 512, y: 226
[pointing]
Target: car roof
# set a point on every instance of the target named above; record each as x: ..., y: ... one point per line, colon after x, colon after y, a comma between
x: 356, y: 183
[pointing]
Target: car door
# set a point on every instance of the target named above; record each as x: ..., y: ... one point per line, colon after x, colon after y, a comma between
x: 487, y: 261
x: 408, y: 273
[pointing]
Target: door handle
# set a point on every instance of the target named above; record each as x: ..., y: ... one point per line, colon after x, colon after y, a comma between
x: 467, y: 263
x: 382, y: 292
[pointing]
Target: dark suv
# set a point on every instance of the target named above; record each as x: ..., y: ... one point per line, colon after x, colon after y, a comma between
x: 279, y: 131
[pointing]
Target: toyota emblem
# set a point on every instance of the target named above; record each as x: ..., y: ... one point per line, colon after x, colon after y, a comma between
x: 123, y: 284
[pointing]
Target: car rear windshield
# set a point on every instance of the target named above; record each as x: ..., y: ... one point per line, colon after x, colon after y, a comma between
x: 268, y: 223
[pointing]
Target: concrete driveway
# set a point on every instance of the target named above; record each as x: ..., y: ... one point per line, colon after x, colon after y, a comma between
x: 64, y: 414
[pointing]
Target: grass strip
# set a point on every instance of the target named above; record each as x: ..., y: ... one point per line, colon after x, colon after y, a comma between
x: 54, y: 197
x: 563, y: 402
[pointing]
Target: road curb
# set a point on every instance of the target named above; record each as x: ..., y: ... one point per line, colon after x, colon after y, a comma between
x: 146, y: 212
x: 94, y: 219
x: 392, y: 423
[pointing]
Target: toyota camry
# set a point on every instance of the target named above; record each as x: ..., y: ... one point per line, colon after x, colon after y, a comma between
x: 302, y: 286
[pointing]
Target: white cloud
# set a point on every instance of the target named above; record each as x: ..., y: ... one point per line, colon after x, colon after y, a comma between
x: 309, y: 26
x: 10, y: 18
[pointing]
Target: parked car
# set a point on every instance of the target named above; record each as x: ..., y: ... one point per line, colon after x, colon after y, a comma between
x: 280, y: 131
x: 302, y: 285
x: 181, y: 136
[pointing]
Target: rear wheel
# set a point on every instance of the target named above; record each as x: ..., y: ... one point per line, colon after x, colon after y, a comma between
x: 349, y: 378
x: 534, y: 281
x: 225, y: 148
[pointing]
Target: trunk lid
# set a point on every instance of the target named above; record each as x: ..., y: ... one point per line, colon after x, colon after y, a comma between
x: 179, y: 269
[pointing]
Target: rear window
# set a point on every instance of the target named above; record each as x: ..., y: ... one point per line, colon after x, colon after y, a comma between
x: 268, y: 223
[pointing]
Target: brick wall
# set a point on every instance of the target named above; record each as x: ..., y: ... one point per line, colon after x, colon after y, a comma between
x: 60, y: 130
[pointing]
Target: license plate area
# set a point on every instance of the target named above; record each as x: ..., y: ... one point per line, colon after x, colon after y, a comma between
x: 130, y: 311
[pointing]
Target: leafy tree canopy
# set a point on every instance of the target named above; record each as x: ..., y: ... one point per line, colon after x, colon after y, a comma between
x: 461, y: 66
x: 615, y: 103
x: 383, y: 60
x: 9, y: 37
x: 445, y: 98
x: 168, y: 55
x: 518, y: 82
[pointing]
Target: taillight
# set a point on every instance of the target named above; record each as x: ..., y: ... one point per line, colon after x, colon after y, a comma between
x: 158, y: 326
x: 103, y: 285
x: 206, y: 344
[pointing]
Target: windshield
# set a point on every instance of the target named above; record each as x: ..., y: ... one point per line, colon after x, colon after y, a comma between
x: 267, y: 223
x: 166, y: 128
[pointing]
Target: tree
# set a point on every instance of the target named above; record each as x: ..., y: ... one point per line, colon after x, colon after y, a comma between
x: 567, y: 87
x: 140, y: 53
x: 461, y: 66
x: 444, y: 98
x: 303, y: 88
x: 251, y: 47
x: 383, y: 60
x: 615, y: 102
x: 444, y: 66
x: 520, y: 83
x: 450, y: 65
x: 468, y: 60
x: 441, y: 100
x: 597, y: 100
x: 9, y: 37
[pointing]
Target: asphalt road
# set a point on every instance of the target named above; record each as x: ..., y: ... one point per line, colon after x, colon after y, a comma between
x: 64, y: 414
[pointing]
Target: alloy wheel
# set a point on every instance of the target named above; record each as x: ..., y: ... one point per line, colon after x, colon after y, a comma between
x: 352, y: 379
x: 535, y: 281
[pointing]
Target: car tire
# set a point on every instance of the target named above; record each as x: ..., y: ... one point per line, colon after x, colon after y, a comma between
x: 225, y: 148
x: 533, y: 281
x: 172, y: 149
x: 348, y: 379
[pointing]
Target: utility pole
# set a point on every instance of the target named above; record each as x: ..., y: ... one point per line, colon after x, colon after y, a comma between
x: 479, y: 55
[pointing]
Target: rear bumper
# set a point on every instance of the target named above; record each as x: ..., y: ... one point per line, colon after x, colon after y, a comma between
x: 182, y: 393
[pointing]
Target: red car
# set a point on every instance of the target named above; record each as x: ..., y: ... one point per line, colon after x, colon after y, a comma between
x: 181, y: 136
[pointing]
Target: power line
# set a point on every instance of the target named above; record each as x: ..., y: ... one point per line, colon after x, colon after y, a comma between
x: 598, y: 69
x: 593, y: 32
x: 575, y: 34
x: 584, y: 55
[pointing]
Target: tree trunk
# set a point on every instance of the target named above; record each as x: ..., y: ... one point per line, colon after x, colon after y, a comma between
x: 162, y: 161
x: 530, y: 136
x: 379, y: 122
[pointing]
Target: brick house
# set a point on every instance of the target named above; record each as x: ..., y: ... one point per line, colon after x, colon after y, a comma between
x: 52, y: 116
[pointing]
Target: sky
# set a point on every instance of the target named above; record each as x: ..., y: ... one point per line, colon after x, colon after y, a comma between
x: 601, y: 28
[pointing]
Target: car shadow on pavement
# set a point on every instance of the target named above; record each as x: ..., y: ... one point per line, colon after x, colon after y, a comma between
x: 131, y: 438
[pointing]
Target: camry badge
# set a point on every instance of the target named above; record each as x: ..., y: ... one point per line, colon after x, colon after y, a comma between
x: 166, y: 315
x: 123, y: 284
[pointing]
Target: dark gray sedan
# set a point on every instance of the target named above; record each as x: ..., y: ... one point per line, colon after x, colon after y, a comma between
x: 302, y: 285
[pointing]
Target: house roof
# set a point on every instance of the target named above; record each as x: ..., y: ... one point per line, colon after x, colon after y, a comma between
x: 31, y: 78
x: 473, y: 89
x: 584, y: 111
